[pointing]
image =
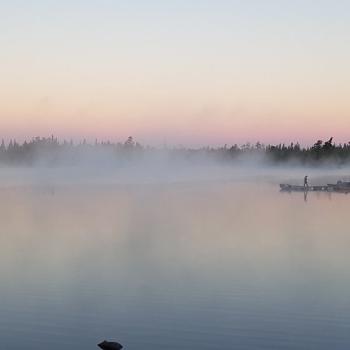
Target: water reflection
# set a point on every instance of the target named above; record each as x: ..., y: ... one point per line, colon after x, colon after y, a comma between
x: 206, y: 266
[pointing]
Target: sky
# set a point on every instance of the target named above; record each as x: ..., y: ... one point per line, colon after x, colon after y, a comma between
x: 184, y: 72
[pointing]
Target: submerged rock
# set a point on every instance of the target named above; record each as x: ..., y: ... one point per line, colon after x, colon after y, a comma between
x: 109, y: 345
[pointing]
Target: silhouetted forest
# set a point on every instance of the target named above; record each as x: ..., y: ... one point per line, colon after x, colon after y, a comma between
x: 50, y: 151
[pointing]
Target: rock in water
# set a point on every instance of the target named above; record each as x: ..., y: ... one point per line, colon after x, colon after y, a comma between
x: 109, y: 345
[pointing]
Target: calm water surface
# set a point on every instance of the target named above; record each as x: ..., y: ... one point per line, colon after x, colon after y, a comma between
x: 206, y: 266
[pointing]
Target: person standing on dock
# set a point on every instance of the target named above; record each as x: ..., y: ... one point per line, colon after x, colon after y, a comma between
x: 306, y: 185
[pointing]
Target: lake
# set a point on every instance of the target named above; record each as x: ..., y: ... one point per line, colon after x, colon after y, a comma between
x: 187, y: 265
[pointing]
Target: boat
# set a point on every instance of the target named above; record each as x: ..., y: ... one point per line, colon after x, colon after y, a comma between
x: 298, y: 188
x: 340, y: 186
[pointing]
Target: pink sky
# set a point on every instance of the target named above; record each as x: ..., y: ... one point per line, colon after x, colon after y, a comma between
x: 228, y: 72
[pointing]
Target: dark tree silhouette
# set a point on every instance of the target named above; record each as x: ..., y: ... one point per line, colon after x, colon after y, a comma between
x: 52, y: 152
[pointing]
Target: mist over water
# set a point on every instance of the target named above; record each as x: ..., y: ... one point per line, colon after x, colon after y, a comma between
x: 158, y: 255
x: 175, y: 175
x: 162, y: 167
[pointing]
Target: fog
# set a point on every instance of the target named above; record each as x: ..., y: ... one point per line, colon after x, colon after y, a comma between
x: 153, y: 255
x: 49, y: 162
x: 160, y: 248
x: 164, y: 167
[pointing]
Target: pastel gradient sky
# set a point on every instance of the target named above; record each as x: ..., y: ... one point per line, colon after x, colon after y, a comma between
x: 190, y: 72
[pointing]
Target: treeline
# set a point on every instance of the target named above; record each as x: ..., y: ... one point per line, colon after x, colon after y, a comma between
x: 320, y: 152
x: 51, y: 151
